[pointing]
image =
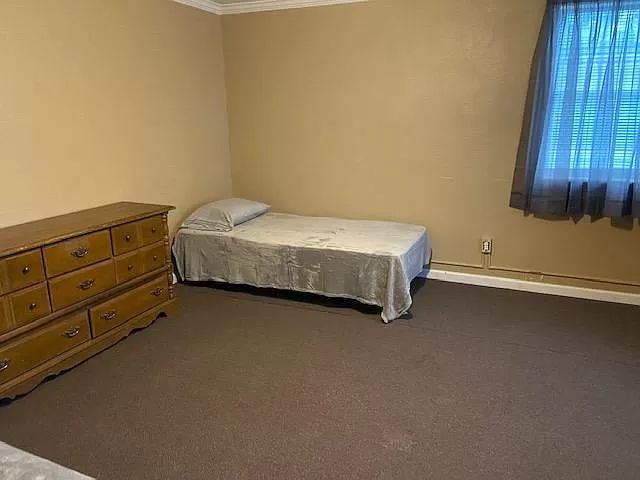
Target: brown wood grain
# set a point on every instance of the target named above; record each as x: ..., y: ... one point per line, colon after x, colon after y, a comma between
x: 153, y: 256
x: 129, y: 266
x: 16, y: 332
x: 76, y: 253
x: 20, y: 271
x: 124, y: 307
x: 126, y: 238
x: 6, y: 317
x: 28, y: 381
x: 30, y: 304
x: 74, y: 287
x: 40, y: 346
x: 32, y: 235
x: 167, y: 246
x: 69, y: 269
x: 152, y: 229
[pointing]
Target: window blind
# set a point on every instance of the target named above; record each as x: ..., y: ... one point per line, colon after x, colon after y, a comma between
x: 592, y: 127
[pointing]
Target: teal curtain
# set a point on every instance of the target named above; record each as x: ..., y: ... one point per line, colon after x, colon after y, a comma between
x: 580, y: 147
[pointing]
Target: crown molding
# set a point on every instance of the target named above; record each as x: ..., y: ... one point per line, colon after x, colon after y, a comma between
x: 259, y: 5
x: 267, y: 5
x: 206, y: 5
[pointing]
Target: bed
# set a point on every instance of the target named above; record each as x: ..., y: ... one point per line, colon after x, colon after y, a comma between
x: 369, y: 261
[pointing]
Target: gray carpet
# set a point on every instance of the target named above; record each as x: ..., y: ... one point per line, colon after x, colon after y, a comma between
x: 478, y: 384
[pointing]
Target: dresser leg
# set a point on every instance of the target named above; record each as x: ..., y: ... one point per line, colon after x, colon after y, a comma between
x: 167, y: 245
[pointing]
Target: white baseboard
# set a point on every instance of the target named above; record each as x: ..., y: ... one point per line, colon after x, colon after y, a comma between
x: 535, y: 287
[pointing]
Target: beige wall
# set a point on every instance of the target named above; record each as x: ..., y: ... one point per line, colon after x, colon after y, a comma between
x: 393, y: 109
x: 405, y: 110
x: 109, y: 100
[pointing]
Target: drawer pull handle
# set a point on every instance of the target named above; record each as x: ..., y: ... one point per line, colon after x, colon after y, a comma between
x: 4, y: 364
x: 157, y: 292
x: 127, y: 238
x: 72, y: 332
x: 26, y: 269
x: 80, y: 252
x: 129, y: 267
x: 154, y: 229
x: 87, y: 284
x: 33, y: 306
x: 155, y: 257
x: 110, y: 315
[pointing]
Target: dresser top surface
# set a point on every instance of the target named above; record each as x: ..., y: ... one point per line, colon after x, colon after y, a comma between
x: 19, y: 238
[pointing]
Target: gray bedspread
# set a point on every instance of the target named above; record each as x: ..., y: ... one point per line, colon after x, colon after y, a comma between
x: 18, y: 465
x: 373, y: 262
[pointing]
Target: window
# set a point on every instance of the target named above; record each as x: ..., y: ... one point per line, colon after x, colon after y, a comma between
x: 592, y: 124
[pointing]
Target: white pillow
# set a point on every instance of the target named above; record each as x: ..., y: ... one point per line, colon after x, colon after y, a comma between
x: 223, y: 215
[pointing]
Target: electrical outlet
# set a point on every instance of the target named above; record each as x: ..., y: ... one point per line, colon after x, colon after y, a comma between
x: 487, y: 246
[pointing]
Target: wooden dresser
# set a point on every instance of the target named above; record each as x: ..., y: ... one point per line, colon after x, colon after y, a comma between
x: 73, y: 285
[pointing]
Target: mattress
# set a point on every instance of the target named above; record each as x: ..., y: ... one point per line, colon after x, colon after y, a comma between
x: 369, y: 261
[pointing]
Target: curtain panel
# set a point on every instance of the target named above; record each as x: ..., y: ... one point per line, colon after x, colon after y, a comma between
x: 579, y: 151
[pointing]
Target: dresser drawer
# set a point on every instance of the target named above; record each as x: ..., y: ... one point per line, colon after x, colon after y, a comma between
x: 129, y: 266
x: 30, y: 304
x: 154, y: 257
x: 133, y: 264
x: 77, y: 286
x: 128, y: 237
x: 76, y: 253
x: 21, y: 271
x: 43, y: 344
x: 6, y: 318
x: 119, y: 310
x: 152, y: 230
